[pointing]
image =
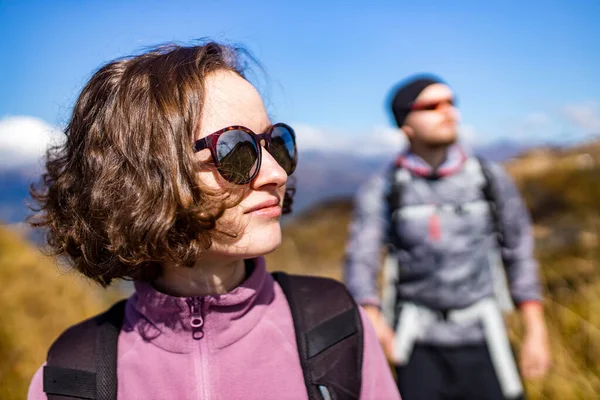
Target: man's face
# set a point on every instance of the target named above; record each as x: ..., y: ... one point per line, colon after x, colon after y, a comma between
x: 434, y: 119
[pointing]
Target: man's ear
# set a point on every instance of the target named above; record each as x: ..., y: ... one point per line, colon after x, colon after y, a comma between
x: 408, y: 131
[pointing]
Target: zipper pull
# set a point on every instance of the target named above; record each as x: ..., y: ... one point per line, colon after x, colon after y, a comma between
x: 196, y: 320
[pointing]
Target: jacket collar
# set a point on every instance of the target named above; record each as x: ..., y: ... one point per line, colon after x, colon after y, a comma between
x: 454, y: 162
x: 168, y: 321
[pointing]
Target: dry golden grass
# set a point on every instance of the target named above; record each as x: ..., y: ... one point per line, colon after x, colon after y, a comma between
x: 37, y: 303
x: 313, y: 243
x: 572, y: 306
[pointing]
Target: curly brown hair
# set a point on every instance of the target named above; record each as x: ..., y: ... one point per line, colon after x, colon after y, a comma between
x: 120, y: 195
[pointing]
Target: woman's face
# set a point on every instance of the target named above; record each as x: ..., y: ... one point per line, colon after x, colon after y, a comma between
x: 231, y: 100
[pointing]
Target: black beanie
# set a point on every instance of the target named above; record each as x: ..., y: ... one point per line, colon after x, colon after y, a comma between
x: 406, y: 92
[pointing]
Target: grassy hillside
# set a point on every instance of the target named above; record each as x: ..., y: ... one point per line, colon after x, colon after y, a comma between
x: 313, y: 243
x: 38, y: 302
x: 562, y: 189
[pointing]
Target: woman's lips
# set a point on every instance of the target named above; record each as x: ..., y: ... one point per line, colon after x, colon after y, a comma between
x: 272, y: 211
x: 268, y: 208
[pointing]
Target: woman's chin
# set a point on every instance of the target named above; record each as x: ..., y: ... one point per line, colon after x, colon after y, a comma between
x: 255, y: 242
x: 265, y: 242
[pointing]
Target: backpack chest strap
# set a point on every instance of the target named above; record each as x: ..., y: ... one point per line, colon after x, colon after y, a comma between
x: 477, y: 207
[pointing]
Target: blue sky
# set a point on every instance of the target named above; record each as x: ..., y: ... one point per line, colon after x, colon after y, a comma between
x: 523, y: 70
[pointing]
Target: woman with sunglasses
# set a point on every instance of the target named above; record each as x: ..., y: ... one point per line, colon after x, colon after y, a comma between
x: 173, y: 175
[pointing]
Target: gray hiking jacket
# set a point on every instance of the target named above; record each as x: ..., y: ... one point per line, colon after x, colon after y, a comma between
x: 446, y: 246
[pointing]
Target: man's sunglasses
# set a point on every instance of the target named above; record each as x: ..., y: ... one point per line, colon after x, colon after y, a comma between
x: 237, y: 154
x: 432, y: 105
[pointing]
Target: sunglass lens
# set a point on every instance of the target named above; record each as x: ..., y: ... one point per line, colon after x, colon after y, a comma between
x: 238, y: 156
x: 283, y: 147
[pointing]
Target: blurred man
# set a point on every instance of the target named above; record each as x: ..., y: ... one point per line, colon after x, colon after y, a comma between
x: 457, y: 232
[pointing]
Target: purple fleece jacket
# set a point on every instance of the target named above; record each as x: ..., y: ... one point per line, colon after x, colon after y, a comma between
x: 245, y: 347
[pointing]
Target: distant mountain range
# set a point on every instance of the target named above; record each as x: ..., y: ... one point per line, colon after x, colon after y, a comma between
x: 320, y: 175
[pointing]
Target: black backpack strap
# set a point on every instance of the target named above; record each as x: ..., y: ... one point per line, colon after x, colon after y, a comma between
x: 491, y: 193
x: 82, y: 362
x: 393, y: 197
x: 395, y: 188
x: 329, y: 335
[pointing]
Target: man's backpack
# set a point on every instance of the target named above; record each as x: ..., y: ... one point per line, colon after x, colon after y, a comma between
x: 489, y: 190
x: 82, y: 362
x: 490, y: 193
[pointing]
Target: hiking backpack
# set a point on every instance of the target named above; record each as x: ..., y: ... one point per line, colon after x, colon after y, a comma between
x: 82, y: 362
x: 490, y: 193
x: 489, y: 189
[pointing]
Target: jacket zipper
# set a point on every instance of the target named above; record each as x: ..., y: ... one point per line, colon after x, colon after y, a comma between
x: 197, y: 311
x: 196, y: 319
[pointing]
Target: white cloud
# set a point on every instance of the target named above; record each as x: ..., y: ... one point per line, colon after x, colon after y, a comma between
x: 24, y: 140
x: 379, y: 140
x: 534, y: 127
x: 311, y: 138
x: 382, y: 140
x: 536, y: 121
x: 584, y: 115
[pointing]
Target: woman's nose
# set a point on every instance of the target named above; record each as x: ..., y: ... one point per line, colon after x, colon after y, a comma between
x: 270, y: 173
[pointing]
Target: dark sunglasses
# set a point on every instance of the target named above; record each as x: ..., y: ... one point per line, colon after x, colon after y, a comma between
x: 237, y: 154
x: 433, y: 105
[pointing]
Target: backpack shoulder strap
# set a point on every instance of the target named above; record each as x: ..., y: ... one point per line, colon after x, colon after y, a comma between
x: 82, y: 362
x: 397, y: 178
x: 490, y: 193
x: 329, y: 332
x: 395, y: 187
